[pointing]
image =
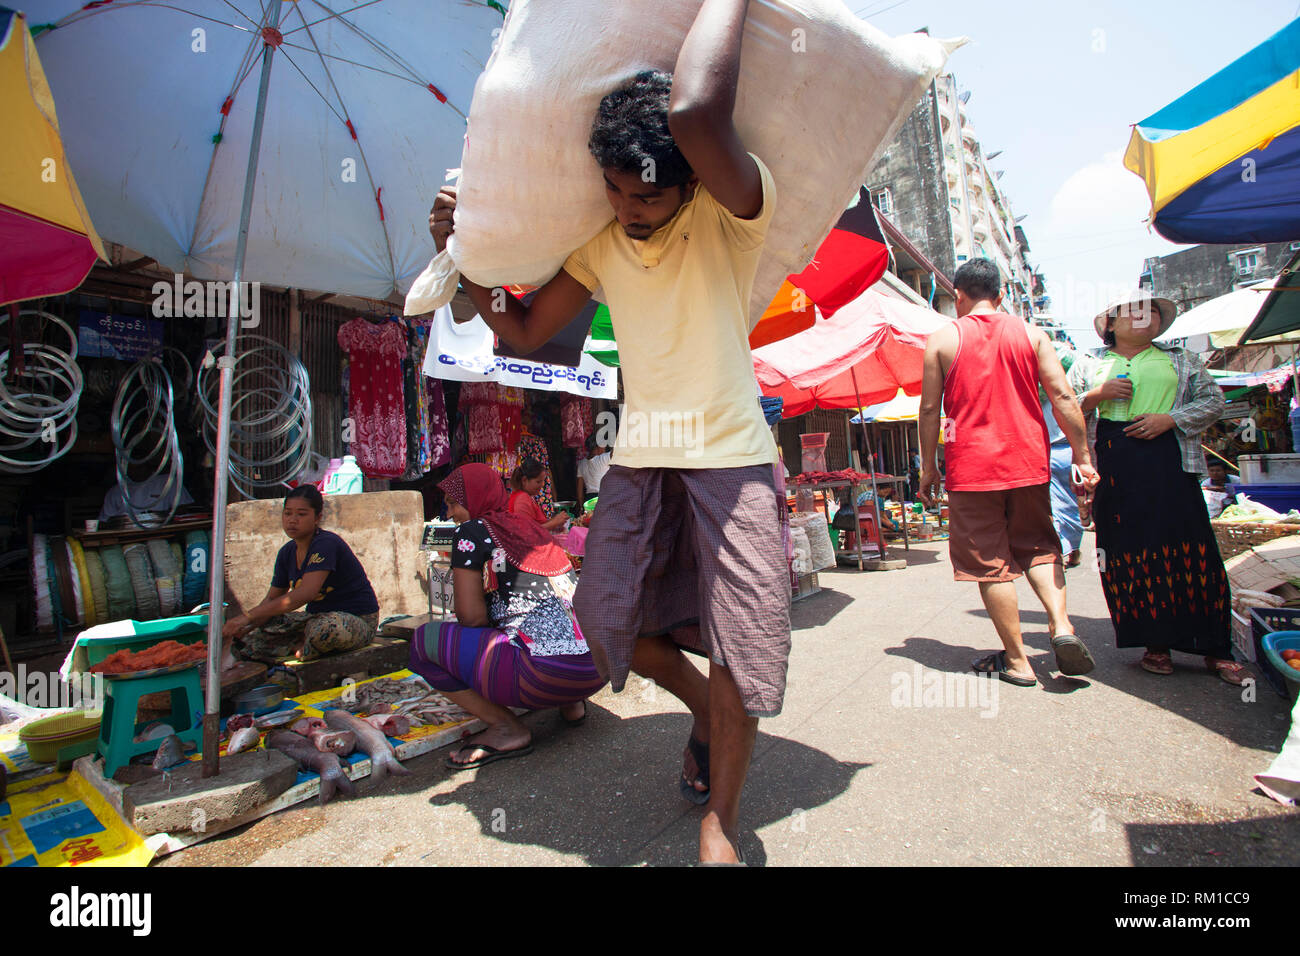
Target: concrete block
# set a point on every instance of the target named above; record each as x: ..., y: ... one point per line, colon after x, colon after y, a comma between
x: 879, y: 564
x: 381, y: 527
x: 183, y: 800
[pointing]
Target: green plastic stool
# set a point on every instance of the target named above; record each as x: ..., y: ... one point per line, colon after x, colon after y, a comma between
x: 121, y: 700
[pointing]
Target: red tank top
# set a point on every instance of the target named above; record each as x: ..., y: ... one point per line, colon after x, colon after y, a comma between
x: 995, y: 437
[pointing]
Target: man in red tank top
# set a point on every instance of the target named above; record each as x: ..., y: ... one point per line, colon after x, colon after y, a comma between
x: 984, y: 370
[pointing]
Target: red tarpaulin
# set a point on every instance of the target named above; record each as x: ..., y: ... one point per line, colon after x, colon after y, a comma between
x: 876, y: 339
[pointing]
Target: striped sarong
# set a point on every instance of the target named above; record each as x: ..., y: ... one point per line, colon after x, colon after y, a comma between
x: 483, y: 659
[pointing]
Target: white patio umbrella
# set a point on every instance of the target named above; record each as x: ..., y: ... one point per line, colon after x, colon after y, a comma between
x: 294, y: 143
x: 1221, y: 320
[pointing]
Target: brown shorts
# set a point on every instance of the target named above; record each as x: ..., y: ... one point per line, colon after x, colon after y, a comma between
x: 996, y: 535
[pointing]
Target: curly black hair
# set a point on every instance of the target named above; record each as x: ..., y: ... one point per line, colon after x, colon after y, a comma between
x: 631, y: 133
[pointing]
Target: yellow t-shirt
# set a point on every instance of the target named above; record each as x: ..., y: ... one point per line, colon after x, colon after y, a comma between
x: 679, y: 303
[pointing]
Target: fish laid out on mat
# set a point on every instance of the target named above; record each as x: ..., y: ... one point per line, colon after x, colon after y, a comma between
x: 245, y: 738
x: 307, y: 726
x: 371, y: 742
x: 341, y: 742
x: 391, y: 725
x: 332, y: 777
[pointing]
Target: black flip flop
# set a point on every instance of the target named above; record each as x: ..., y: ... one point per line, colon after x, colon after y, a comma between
x: 997, y: 664
x: 699, y: 751
x: 1072, y: 657
x: 578, y: 721
x: 492, y: 754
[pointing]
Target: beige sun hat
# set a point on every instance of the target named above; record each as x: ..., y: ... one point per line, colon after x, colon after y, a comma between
x: 1168, y: 311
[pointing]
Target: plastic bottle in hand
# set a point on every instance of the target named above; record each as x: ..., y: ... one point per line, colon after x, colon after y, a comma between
x: 1120, y: 406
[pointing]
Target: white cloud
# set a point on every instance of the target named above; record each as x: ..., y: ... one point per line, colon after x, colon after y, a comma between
x: 1095, y: 242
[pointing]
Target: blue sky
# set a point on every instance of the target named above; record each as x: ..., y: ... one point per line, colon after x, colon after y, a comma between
x: 1057, y: 86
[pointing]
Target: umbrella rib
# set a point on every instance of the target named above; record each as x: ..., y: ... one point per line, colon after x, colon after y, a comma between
x: 328, y: 105
x: 246, y: 66
x: 331, y: 15
x: 383, y: 225
x: 414, y: 75
x: 84, y: 13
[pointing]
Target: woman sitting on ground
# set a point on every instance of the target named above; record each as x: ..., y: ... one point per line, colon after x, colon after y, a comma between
x: 317, y: 569
x: 515, y: 642
x: 526, y: 481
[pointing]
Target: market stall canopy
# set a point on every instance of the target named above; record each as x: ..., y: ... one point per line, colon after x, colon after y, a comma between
x: 365, y: 110
x: 848, y: 263
x: 47, y: 241
x: 1222, y: 162
x: 1222, y: 319
x: 901, y: 408
x: 862, y: 355
x: 1274, y: 378
x: 1280, y: 312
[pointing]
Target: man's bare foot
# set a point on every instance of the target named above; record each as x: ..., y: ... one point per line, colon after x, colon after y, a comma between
x: 716, y: 846
x: 504, y: 736
x: 692, y: 772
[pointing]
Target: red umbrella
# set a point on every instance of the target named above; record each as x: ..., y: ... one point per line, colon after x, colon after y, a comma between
x: 860, y: 356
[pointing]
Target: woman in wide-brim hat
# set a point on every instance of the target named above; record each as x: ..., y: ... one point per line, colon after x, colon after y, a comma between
x: 1147, y: 405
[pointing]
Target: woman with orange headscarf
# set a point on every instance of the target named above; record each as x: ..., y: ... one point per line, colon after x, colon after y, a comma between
x: 515, y: 642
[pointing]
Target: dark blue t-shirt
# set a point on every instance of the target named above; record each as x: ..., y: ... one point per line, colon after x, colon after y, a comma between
x: 346, y: 589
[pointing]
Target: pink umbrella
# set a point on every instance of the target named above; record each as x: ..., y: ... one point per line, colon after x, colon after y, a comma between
x: 860, y: 356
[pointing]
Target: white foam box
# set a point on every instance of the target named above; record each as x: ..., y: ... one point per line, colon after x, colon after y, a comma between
x: 1282, y: 470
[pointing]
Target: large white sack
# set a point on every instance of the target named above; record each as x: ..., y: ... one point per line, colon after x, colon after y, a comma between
x: 820, y: 92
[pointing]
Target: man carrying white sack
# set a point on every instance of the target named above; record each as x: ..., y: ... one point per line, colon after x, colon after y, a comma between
x: 687, y: 553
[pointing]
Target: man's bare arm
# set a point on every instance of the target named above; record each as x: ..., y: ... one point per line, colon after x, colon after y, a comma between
x: 700, y: 111
x: 524, y: 327
x: 931, y: 404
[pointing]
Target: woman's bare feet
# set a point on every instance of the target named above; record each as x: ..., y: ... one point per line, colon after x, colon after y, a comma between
x: 575, y: 711
x: 504, y: 736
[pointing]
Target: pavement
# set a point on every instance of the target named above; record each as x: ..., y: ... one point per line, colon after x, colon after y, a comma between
x: 885, y: 754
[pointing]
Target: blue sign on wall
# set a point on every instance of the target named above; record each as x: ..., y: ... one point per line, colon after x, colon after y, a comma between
x: 126, y: 337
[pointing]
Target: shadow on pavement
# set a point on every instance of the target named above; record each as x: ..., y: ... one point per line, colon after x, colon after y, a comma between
x: 608, y: 790
x: 818, y: 610
x: 1191, y: 691
x: 1262, y: 841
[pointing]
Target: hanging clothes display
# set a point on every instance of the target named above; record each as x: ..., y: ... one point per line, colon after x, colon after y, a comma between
x: 439, y: 431
x: 376, y: 403
x: 531, y: 446
x: 577, y: 418
x: 417, y: 423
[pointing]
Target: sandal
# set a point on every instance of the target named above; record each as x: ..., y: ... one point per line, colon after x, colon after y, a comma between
x: 997, y: 664
x: 577, y: 721
x: 1072, y: 657
x: 1157, y: 663
x: 490, y: 754
x: 1230, y: 671
x: 700, y: 752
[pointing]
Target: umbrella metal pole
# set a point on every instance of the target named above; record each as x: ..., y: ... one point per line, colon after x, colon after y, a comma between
x: 221, y: 481
x: 871, y: 466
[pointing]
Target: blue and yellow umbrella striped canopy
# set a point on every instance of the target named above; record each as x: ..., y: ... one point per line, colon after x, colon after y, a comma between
x: 1222, y: 162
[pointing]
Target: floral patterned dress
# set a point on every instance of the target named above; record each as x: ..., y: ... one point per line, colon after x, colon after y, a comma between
x: 375, y: 401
